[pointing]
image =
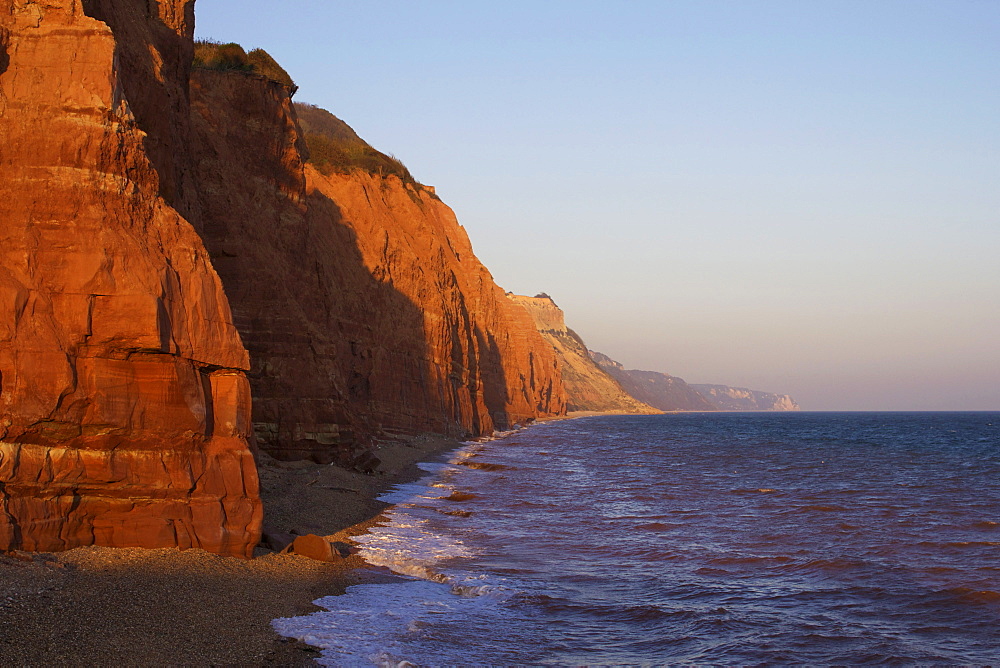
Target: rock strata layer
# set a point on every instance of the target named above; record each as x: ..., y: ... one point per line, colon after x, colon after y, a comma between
x: 588, y: 386
x: 124, y: 402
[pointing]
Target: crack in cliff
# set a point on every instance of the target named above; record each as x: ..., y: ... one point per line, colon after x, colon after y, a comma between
x: 12, y: 525
x: 70, y: 388
x: 206, y: 385
x: 4, y: 56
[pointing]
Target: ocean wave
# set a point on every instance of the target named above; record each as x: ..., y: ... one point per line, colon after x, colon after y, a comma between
x: 459, y: 496
x: 959, y: 543
x: 658, y: 527
x: 377, y: 624
x: 485, y: 466
x: 497, y: 435
x: 408, y: 545
x: 750, y: 559
x: 834, y: 564
x: 816, y: 508
x: 604, y: 611
x: 600, y: 555
x: 454, y: 513
x: 971, y: 595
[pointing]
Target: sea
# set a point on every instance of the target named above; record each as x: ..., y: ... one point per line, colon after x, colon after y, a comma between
x: 692, y: 538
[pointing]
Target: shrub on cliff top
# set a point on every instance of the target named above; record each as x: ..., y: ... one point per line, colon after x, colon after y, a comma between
x: 267, y: 66
x: 216, y: 56
x: 335, y: 148
x: 231, y: 57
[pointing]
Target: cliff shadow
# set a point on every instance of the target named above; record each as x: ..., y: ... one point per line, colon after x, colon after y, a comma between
x: 496, y: 392
x: 399, y: 375
x: 382, y: 332
x: 338, y: 356
x: 154, y: 65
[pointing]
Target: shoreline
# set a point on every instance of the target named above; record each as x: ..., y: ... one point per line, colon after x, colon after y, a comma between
x: 132, y: 606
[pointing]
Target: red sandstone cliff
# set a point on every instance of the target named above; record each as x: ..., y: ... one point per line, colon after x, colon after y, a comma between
x: 358, y: 295
x: 124, y: 404
x: 485, y: 365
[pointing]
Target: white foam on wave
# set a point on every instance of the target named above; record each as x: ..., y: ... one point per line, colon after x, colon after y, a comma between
x: 381, y: 624
x: 428, y: 487
x: 410, y: 547
x: 412, y: 492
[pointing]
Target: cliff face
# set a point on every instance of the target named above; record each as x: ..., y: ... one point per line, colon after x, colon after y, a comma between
x: 659, y: 390
x: 126, y: 407
x: 358, y: 295
x: 481, y: 364
x: 588, y: 386
x: 124, y: 404
x: 741, y: 399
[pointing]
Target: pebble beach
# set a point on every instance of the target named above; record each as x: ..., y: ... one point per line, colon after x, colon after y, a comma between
x: 133, y: 607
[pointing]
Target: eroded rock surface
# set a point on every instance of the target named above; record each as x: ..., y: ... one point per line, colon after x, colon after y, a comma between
x: 124, y: 403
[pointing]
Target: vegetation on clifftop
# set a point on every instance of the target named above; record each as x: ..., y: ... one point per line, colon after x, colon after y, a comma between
x: 231, y: 57
x: 334, y: 148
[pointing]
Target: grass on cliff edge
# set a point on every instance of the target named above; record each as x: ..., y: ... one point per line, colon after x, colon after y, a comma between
x: 231, y: 57
x: 334, y: 147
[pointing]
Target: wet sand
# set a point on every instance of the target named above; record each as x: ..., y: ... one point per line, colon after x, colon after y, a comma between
x: 130, y: 607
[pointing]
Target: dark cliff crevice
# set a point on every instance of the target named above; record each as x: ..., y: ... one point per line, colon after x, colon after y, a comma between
x: 4, y: 56
x: 496, y: 392
x: 10, y: 525
x: 206, y: 385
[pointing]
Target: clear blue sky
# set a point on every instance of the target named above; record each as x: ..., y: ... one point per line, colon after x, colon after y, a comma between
x: 798, y: 196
